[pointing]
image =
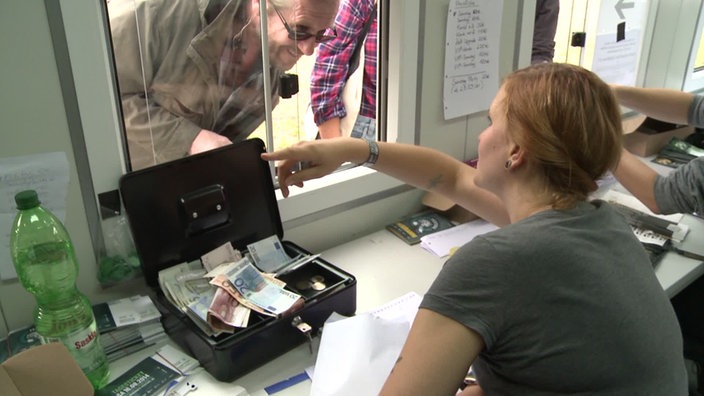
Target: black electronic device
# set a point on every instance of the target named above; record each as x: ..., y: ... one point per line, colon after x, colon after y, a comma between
x: 289, y: 85
x: 180, y: 210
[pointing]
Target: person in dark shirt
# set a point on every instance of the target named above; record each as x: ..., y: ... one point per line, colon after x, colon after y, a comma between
x: 681, y: 191
x: 535, y: 297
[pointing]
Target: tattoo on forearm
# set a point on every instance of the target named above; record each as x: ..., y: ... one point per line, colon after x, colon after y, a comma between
x: 434, y: 182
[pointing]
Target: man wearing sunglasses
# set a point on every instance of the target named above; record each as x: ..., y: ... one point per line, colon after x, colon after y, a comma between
x: 190, y: 72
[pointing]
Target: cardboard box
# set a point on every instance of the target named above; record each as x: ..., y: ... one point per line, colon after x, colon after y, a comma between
x: 43, y: 370
x: 645, y: 136
x: 448, y: 208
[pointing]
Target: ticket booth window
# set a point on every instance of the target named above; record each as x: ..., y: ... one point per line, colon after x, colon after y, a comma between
x: 201, y: 75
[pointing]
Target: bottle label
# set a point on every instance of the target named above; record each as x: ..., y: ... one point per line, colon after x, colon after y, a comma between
x: 84, y: 346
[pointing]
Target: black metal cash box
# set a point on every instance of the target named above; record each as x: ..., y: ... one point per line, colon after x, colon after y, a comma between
x: 180, y: 210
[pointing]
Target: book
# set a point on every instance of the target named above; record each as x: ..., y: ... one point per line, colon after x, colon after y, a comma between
x: 17, y: 341
x: 677, y: 152
x: 412, y: 228
x: 151, y: 375
x: 145, y: 378
x: 124, y: 312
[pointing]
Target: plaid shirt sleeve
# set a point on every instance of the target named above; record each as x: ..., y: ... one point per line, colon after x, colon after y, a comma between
x: 332, y: 61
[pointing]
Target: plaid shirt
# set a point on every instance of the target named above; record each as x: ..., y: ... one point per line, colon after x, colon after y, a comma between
x: 332, y: 62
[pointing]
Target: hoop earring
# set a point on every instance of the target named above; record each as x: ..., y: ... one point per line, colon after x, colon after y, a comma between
x: 508, y: 164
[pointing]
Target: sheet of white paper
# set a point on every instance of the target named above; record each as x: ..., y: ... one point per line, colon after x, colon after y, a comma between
x: 444, y: 242
x: 402, y: 309
x: 616, y: 56
x: 48, y: 174
x: 356, y: 354
x: 131, y: 310
x: 174, y: 358
x: 647, y: 236
x: 617, y: 61
x: 471, y: 56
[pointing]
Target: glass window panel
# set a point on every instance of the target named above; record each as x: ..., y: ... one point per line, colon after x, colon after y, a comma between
x: 698, y: 46
x: 191, y: 74
x: 699, y: 60
x: 694, y: 74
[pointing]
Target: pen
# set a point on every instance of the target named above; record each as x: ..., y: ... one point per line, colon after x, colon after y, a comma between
x: 287, y: 383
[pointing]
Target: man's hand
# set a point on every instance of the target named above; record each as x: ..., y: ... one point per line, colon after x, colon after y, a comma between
x: 207, y: 140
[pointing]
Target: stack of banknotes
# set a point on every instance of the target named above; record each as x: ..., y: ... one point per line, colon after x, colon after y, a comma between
x: 219, y: 291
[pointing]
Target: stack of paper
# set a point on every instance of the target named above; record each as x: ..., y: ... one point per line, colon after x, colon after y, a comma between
x: 356, y: 354
x: 646, y: 225
x: 443, y: 243
x: 128, y: 325
x: 125, y: 326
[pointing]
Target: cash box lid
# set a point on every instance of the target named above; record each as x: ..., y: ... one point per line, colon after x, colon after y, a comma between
x: 180, y: 210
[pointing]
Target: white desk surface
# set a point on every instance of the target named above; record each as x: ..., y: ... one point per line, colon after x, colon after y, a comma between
x: 386, y: 268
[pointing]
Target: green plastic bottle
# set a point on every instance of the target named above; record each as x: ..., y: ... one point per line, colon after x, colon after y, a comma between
x: 46, y: 265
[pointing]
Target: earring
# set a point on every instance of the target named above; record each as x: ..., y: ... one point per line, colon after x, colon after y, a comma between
x: 508, y: 164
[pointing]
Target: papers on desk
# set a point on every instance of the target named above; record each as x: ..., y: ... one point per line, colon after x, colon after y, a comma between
x: 443, y: 243
x: 633, y: 202
x: 646, y: 224
x: 356, y: 354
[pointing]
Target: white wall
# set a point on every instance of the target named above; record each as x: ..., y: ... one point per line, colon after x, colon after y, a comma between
x: 672, y: 38
x: 29, y: 84
x: 34, y: 120
x: 458, y: 137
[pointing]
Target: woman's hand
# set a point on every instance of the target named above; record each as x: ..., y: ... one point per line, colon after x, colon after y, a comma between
x: 314, y: 159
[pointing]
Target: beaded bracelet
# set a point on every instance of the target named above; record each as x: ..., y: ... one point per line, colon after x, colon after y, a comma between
x: 373, y: 153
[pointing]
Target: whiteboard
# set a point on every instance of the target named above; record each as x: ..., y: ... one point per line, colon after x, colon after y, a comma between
x: 471, y: 56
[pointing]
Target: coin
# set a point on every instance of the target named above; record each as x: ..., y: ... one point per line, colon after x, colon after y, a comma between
x: 317, y: 285
x: 317, y: 278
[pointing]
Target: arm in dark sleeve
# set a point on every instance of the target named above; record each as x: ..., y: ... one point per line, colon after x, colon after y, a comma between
x: 682, y: 191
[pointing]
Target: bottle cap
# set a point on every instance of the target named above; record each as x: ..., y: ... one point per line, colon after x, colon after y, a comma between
x: 26, y: 199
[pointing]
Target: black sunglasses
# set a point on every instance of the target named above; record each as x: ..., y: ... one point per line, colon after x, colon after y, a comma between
x: 300, y: 35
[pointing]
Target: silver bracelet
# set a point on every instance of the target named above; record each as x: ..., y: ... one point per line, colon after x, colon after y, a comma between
x: 373, y: 153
